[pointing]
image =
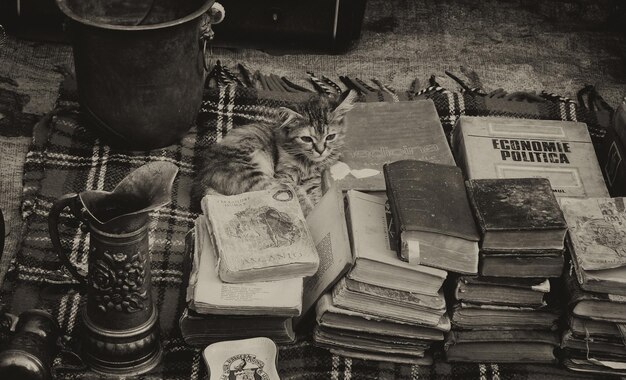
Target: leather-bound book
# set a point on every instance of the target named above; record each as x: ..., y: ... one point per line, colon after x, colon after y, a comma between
x: 510, y: 291
x: 526, y: 265
x: 517, y: 214
x: 596, y: 306
x: 432, y: 215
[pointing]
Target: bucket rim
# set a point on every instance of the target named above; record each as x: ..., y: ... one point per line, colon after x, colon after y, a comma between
x: 62, y: 4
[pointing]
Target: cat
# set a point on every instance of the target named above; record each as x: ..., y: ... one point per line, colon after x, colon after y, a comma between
x: 295, y: 150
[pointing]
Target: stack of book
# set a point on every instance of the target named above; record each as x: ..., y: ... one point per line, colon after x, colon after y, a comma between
x: 249, y: 255
x: 504, y: 314
x: 384, y: 308
x: 595, y: 340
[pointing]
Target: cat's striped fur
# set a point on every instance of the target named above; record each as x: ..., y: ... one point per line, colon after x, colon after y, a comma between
x: 296, y: 150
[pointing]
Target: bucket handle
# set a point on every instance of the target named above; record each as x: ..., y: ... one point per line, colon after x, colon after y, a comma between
x: 214, y: 15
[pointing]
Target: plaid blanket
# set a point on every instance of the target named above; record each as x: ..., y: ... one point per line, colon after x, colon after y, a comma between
x: 65, y: 158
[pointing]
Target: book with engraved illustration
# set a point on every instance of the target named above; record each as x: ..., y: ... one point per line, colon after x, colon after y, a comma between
x: 432, y: 215
x: 329, y: 315
x: 517, y: 214
x: 378, y: 133
x: 388, y: 303
x: 497, y: 147
x: 208, y: 294
x: 509, y: 346
x: 597, y: 242
x: 466, y: 316
x: 494, y: 291
x: 543, y: 264
x: 373, y: 246
x: 260, y: 236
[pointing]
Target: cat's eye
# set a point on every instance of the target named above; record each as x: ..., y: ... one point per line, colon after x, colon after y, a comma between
x: 306, y: 139
x: 331, y: 137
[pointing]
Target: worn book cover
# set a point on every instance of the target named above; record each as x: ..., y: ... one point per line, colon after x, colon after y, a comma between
x: 199, y: 330
x: 517, y: 213
x: 208, y: 294
x: 329, y: 315
x: 494, y: 291
x: 596, y: 306
x: 327, y: 223
x: 373, y: 246
x: 378, y: 133
x: 426, y: 360
x: 260, y: 236
x: 389, y: 304
x: 492, y: 317
x: 432, y: 215
x: 590, y: 365
x: 596, y: 347
x: 496, y: 147
x: 524, y: 265
x: 582, y: 327
x: 597, y: 229
x: 502, y: 346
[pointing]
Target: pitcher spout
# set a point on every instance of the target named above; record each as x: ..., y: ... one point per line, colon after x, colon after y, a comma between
x: 126, y: 208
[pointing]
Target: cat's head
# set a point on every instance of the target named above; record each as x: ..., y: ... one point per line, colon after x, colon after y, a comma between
x: 315, y: 130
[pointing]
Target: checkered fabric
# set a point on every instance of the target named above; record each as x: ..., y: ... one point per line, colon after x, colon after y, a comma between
x: 65, y: 157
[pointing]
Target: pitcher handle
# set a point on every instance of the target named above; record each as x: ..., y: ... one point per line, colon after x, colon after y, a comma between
x: 53, y: 227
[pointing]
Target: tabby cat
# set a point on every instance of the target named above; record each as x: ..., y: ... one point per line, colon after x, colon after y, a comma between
x: 296, y: 150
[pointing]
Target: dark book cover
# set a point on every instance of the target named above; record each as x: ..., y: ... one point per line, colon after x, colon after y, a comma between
x: 429, y: 197
x: 515, y: 204
x: 516, y: 336
x: 523, y: 265
x: 379, y: 133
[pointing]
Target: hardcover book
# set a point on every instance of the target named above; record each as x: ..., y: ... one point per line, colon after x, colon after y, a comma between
x: 208, y: 294
x: 496, y: 147
x: 596, y: 347
x: 329, y: 315
x: 493, y: 291
x: 199, y: 330
x: 591, y: 365
x: 260, y: 236
x: 327, y: 223
x: 513, y: 346
x: 597, y: 242
x: 373, y: 246
x: 522, y: 264
x: 389, y: 303
x: 596, y: 306
x: 378, y: 133
x: 426, y: 360
x: 432, y: 215
x: 467, y: 316
x: 582, y: 327
x: 517, y: 214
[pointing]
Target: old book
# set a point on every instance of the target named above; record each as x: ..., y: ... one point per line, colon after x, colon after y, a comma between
x: 432, y: 215
x: 595, y: 366
x: 496, y: 147
x: 390, y: 340
x: 514, y: 346
x: 426, y: 360
x: 490, y: 317
x: 597, y: 242
x: 494, y: 291
x: 582, y: 327
x: 596, y: 347
x: 329, y: 315
x: 517, y: 213
x: 378, y: 133
x: 203, y: 329
x: 208, y: 294
x: 375, y: 260
x: 327, y: 223
x: 254, y: 358
x: 389, y: 303
x: 596, y: 306
x: 260, y: 236
x: 332, y: 340
x: 523, y: 265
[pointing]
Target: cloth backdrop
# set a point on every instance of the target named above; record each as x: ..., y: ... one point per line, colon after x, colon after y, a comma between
x: 65, y: 157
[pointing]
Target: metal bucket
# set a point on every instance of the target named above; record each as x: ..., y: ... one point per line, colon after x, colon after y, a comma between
x: 140, y: 67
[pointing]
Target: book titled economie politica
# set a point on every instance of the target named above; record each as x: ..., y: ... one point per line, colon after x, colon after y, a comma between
x: 494, y: 147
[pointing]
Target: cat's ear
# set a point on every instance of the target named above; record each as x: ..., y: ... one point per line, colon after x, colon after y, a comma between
x: 287, y: 116
x: 344, y: 106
